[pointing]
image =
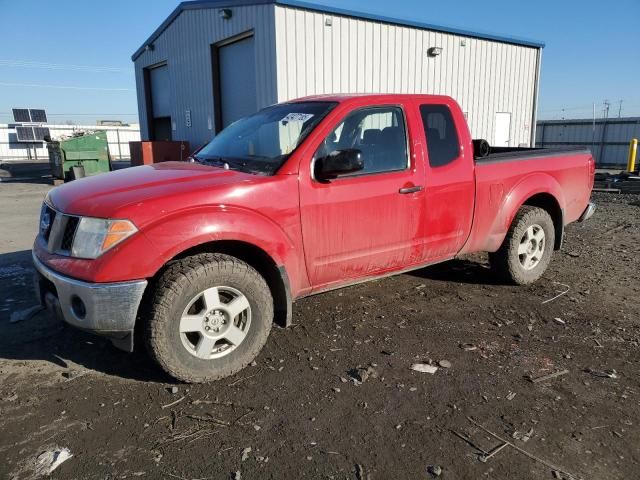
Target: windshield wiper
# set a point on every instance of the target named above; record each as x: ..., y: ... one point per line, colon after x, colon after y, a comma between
x: 217, y: 161
x: 242, y: 165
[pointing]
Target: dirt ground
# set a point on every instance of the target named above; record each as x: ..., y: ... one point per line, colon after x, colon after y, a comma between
x: 299, y: 410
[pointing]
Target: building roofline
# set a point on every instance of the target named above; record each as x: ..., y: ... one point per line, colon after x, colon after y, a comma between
x: 205, y: 4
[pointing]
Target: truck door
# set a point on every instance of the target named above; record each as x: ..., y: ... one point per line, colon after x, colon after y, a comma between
x: 450, y: 183
x: 371, y: 221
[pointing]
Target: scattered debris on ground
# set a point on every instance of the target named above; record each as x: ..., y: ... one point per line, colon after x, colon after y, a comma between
x: 566, y: 290
x: 25, y: 314
x: 544, y: 378
x: 360, y: 375
x: 523, y: 436
x: 424, y: 368
x: 245, y: 453
x: 520, y: 450
x: 434, y: 470
x: 603, y: 373
x: 50, y: 459
x: 559, y: 397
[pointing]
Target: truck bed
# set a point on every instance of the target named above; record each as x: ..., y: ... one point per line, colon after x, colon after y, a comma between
x: 509, y: 176
x: 508, y: 154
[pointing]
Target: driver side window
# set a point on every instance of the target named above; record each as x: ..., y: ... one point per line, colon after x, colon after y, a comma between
x: 380, y: 135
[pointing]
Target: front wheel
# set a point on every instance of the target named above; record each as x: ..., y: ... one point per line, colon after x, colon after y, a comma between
x: 526, y: 251
x: 209, y: 317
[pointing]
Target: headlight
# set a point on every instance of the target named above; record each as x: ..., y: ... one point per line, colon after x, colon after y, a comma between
x: 45, y: 216
x: 45, y: 219
x: 94, y: 236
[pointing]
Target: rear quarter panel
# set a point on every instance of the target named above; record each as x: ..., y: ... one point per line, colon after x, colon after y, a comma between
x: 503, y: 186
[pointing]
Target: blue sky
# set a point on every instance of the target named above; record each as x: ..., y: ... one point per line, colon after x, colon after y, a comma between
x: 72, y: 57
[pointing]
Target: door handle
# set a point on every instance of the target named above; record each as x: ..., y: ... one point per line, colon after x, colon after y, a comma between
x: 414, y: 189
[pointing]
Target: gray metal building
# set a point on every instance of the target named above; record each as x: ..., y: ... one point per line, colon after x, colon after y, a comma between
x: 608, y: 139
x: 211, y: 62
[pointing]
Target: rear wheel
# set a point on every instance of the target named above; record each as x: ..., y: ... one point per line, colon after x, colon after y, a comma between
x: 209, y: 317
x: 526, y: 251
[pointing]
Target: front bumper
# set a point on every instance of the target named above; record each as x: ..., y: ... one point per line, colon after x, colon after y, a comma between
x: 588, y: 212
x: 103, y: 308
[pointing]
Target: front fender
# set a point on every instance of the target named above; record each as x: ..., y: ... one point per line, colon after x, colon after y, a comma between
x: 186, y: 229
x: 145, y: 253
x: 526, y: 188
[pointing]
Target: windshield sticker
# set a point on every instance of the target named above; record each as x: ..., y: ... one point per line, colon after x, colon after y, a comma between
x: 297, y: 117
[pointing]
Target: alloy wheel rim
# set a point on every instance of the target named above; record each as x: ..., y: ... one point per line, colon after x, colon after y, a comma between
x: 531, y: 247
x: 215, y: 322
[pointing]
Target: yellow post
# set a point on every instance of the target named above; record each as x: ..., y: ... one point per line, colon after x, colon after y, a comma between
x: 633, y: 150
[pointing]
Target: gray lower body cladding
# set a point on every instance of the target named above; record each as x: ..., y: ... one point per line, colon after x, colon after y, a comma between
x: 103, y: 308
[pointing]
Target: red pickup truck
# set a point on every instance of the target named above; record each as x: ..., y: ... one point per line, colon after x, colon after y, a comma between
x: 201, y: 258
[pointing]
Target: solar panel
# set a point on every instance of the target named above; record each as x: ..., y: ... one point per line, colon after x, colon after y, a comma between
x: 25, y: 134
x: 38, y: 116
x: 21, y: 115
x: 41, y: 133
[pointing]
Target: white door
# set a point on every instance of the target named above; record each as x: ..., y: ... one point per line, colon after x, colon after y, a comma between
x: 502, y: 129
x: 237, y: 80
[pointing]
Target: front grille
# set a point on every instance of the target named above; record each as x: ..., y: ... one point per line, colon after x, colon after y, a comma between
x: 69, y: 233
x: 61, y: 231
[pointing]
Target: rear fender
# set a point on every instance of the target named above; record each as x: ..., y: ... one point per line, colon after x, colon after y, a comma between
x: 531, y: 185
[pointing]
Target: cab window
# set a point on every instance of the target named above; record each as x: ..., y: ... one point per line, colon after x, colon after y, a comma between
x: 380, y: 135
x: 443, y: 145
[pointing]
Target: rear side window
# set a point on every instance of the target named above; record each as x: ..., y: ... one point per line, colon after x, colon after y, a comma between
x: 443, y: 145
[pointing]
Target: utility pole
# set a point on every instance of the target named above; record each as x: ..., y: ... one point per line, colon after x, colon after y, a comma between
x: 605, y: 116
x: 620, y: 108
x: 593, y: 129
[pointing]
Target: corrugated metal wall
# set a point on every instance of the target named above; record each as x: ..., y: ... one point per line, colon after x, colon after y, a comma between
x: 608, y: 141
x: 186, y: 47
x: 297, y: 54
x: 354, y: 55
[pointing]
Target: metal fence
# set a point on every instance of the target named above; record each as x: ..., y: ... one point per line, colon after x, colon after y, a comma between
x: 608, y: 139
x: 13, y: 151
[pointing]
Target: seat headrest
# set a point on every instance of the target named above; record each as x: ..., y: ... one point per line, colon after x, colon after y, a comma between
x: 371, y: 136
x: 392, y: 135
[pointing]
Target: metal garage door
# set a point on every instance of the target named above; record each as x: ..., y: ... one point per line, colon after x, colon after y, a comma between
x: 237, y: 70
x: 160, y: 93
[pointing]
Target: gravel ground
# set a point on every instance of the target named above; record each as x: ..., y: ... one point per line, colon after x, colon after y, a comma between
x: 306, y: 411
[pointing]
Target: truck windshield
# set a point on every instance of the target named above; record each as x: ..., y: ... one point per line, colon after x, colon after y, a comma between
x: 262, y: 142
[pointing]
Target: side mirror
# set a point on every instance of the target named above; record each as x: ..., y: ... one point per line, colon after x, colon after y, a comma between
x: 338, y: 162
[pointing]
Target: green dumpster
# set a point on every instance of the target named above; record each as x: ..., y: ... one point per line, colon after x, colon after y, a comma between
x: 89, y: 153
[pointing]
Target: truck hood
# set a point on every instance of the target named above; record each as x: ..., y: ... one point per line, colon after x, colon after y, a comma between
x: 140, y: 193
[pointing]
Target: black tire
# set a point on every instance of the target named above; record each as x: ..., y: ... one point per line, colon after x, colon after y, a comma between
x: 506, y: 262
x: 171, y: 294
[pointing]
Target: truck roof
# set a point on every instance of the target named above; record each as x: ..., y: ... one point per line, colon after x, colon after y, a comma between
x: 375, y: 97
